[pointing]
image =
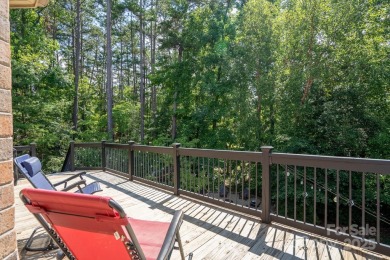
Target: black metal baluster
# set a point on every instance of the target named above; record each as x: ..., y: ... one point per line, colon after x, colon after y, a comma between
x: 350, y: 203
x: 304, y: 195
x: 243, y: 183
x: 285, y: 192
x: 337, y: 198
x: 378, y: 212
x: 363, y: 202
x: 213, y: 178
x: 315, y: 196
x: 249, y: 184
x: 277, y: 190
x: 295, y: 193
x: 224, y: 179
x: 236, y: 180
x: 256, y: 194
x: 326, y: 200
x: 208, y: 177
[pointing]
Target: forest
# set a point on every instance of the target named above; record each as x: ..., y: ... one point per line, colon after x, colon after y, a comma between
x: 305, y: 76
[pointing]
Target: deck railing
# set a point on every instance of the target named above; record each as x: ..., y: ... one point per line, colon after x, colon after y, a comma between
x: 336, y: 197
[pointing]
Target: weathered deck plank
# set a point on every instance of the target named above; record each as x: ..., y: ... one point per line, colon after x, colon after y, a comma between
x: 207, y: 231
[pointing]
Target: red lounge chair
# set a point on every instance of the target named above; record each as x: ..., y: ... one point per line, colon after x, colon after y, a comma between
x: 31, y: 168
x: 96, y: 227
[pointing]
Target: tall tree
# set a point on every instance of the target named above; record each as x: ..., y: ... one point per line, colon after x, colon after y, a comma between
x: 153, y: 38
x: 256, y: 41
x: 142, y: 72
x: 109, y: 89
x: 76, y: 67
x: 304, y: 76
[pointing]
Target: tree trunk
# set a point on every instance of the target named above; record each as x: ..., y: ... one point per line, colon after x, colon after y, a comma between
x: 104, y: 70
x: 81, y: 68
x: 93, y: 67
x: 174, y: 118
x: 309, y: 56
x: 55, y: 39
x: 153, y: 62
x: 121, y: 71
x: 133, y: 57
x: 142, y: 74
x: 76, y: 66
x: 109, y: 74
x: 128, y: 65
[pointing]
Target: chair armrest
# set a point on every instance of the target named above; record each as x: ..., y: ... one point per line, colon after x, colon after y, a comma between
x: 169, y: 240
x: 75, y: 184
x: 79, y: 175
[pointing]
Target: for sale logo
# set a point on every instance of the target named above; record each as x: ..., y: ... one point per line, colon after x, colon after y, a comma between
x: 356, y: 233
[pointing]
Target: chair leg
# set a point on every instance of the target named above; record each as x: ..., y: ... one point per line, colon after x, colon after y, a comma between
x: 50, y: 246
x: 180, y: 245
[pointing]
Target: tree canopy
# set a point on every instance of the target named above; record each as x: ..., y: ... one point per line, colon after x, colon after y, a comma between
x: 302, y: 76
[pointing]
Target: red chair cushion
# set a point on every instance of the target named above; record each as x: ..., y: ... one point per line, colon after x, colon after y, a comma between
x: 150, y: 235
x: 90, y: 228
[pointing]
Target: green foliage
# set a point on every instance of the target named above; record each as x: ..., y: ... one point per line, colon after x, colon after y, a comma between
x: 41, y: 90
x: 125, y: 114
x: 303, y: 76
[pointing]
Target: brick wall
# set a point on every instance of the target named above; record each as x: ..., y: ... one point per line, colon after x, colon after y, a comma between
x: 7, y: 210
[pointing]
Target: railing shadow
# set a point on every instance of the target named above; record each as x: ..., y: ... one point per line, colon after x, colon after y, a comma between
x: 282, y: 245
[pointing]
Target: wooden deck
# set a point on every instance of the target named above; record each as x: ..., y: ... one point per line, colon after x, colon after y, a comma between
x: 207, y: 231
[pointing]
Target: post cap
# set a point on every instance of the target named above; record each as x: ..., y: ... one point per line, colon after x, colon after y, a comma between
x: 266, y: 148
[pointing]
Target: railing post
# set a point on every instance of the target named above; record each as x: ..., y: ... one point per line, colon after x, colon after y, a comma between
x: 104, y: 155
x: 72, y: 166
x: 131, y: 160
x: 33, y: 149
x: 176, y: 168
x: 266, y: 184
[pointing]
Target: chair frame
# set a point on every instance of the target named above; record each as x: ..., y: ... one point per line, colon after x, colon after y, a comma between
x: 133, y: 247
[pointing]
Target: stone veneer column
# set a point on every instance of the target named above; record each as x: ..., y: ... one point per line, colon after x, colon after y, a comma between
x: 8, y: 247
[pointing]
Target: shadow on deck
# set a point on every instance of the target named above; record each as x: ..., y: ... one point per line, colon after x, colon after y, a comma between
x: 209, y: 232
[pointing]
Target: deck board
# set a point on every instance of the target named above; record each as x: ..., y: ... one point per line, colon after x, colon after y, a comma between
x: 209, y: 232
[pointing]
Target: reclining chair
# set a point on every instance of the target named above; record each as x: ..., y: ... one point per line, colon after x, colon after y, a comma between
x: 96, y: 227
x: 31, y: 168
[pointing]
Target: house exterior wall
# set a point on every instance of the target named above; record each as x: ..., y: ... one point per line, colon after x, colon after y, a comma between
x: 8, y: 246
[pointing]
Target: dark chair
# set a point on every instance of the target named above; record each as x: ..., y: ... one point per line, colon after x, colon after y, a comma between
x: 223, y: 191
x: 31, y: 168
x: 96, y: 227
